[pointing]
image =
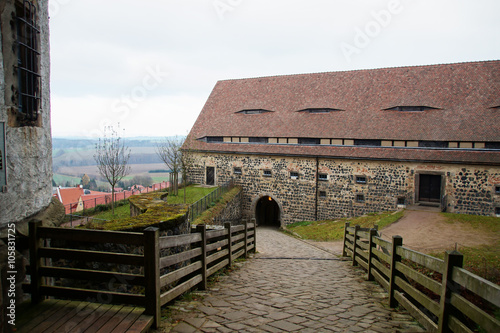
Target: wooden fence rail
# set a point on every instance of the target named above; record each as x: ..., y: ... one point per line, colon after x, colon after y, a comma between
x: 440, y: 294
x: 158, y: 270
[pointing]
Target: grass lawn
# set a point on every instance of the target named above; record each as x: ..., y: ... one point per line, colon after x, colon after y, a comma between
x: 483, y: 260
x: 193, y: 194
x: 334, y: 229
x: 120, y: 213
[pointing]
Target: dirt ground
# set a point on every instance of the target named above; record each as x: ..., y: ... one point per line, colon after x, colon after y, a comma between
x: 423, y: 229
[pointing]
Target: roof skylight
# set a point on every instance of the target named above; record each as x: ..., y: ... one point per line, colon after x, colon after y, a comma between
x: 254, y: 111
x: 319, y: 110
x: 411, y: 108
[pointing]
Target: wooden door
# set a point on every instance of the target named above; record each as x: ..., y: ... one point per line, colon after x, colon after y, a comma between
x: 210, y: 176
x: 430, y: 188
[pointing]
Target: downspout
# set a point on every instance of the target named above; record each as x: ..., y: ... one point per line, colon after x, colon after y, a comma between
x: 317, y: 176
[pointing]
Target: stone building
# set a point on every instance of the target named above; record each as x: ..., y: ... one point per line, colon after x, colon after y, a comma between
x: 25, y: 140
x: 25, y: 135
x: 327, y: 145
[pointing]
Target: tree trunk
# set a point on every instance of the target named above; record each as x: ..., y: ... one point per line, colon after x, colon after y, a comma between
x: 113, y: 199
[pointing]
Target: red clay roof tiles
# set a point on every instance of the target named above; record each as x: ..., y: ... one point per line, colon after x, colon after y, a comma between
x: 464, y: 94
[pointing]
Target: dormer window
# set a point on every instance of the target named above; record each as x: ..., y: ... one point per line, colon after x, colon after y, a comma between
x: 319, y: 110
x: 411, y: 108
x: 213, y: 139
x: 254, y: 111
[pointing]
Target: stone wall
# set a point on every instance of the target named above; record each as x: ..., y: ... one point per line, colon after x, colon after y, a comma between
x: 232, y: 212
x: 464, y: 188
x: 28, y: 157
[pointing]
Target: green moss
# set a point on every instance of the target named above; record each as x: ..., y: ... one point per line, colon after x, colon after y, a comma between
x: 207, y: 216
x: 155, y: 212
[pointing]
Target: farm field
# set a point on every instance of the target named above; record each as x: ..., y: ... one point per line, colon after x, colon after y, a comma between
x: 91, y: 170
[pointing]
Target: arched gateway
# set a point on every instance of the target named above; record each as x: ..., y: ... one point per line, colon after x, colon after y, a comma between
x: 267, y: 212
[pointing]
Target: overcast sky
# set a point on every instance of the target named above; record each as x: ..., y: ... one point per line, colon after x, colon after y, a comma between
x: 151, y: 64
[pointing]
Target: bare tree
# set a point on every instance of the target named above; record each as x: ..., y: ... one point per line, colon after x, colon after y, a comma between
x: 168, y: 150
x: 112, y: 157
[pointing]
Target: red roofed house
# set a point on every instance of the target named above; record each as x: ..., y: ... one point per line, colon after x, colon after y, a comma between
x: 76, y: 199
x: 327, y: 145
x: 71, y: 198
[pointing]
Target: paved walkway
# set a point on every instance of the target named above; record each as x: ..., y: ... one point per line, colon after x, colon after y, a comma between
x: 291, y: 286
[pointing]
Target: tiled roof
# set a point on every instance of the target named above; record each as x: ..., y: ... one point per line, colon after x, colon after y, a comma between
x: 70, y: 195
x: 465, y: 95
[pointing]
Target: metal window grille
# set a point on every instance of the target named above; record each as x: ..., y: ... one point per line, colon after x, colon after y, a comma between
x: 267, y: 173
x: 323, y: 176
x: 360, y: 198
x: 28, y: 61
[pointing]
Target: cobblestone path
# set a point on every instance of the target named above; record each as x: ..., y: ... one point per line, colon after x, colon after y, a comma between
x: 291, y: 286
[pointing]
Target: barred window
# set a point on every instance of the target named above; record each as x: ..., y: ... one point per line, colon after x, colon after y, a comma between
x: 28, y: 62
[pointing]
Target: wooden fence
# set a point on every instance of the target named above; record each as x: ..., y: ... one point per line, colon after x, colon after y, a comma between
x: 186, y: 260
x: 440, y: 294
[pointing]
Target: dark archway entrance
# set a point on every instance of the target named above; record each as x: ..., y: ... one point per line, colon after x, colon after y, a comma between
x: 267, y: 212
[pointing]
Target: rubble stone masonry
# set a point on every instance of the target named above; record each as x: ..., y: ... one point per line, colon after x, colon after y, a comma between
x: 333, y: 188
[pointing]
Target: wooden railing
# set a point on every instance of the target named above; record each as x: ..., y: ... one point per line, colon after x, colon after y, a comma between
x: 184, y: 262
x: 440, y: 294
x: 198, y: 207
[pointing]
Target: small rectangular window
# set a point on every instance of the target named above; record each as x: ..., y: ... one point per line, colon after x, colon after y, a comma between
x: 368, y: 143
x: 360, y: 198
x: 237, y: 171
x: 267, y: 173
x: 401, y: 201
x: 433, y: 144
x: 214, y: 139
x: 258, y: 140
x: 360, y: 179
x: 497, y: 211
x: 309, y: 141
x: 323, y: 177
x: 294, y: 175
x: 322, y: 194
x: 28, y: 62
x: 492, y: 145
x: 497, y: 189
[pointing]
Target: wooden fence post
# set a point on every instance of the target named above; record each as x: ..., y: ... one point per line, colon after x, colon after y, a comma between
x: 202, y: 228
x: 344, y: 252
x: 254, y: 234
x: 371, y: 246
x: 152, y: 273
x: 35, y: 261
x: 452, y: 259
x: 227, y: 225
x: 396, y: 241
x: 356, y: 229
x: 246, y: 239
